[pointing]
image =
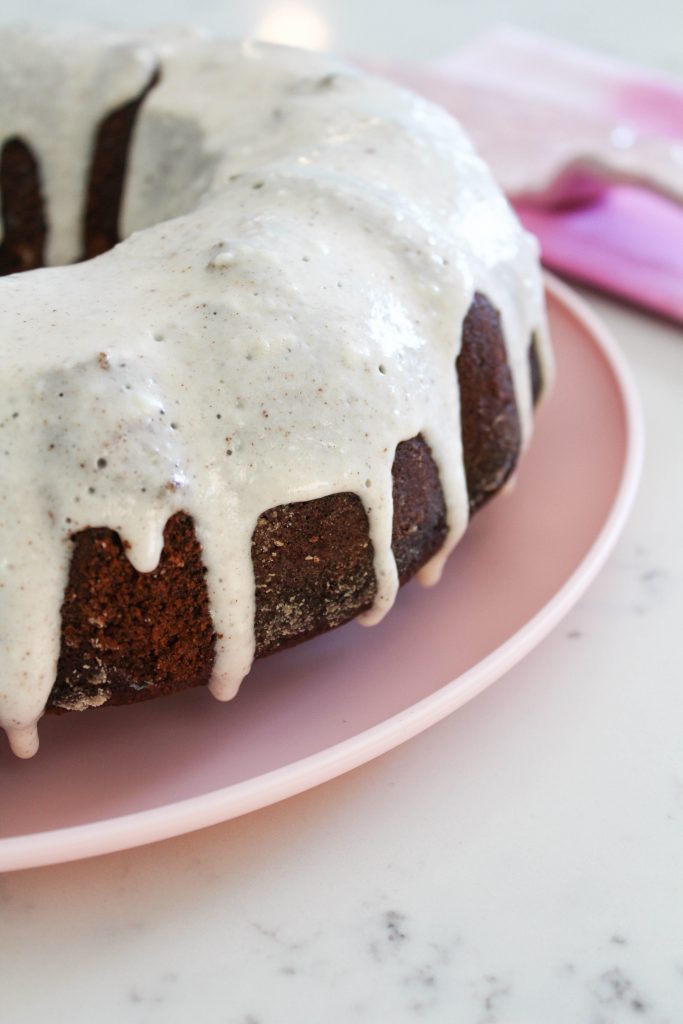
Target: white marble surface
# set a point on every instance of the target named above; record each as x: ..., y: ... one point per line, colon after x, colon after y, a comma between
x: 519, y: 863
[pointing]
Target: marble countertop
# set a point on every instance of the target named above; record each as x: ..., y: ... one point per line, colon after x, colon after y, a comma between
x: 519, y: 863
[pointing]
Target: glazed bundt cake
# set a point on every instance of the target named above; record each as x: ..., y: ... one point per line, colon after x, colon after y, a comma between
x: 315, y: 352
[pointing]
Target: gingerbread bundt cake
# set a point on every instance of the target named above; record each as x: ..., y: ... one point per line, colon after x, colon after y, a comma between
x: 315, y: 352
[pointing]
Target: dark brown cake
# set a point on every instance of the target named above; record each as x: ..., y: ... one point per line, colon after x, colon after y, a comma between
x: 23, y: 218
x: 128, y: 636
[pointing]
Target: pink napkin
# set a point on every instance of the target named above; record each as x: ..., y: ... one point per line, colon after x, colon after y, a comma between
x: 589, y: 150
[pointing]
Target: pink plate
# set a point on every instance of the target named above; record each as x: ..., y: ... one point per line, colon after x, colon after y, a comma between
x: 121, y: 777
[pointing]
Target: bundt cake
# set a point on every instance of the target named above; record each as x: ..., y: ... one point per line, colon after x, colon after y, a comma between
x: 315, y: 352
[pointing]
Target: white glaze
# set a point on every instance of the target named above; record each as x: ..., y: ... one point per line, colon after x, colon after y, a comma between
x: 326, y: 224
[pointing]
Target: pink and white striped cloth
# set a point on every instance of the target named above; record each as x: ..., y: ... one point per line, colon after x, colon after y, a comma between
x: 589, y: 150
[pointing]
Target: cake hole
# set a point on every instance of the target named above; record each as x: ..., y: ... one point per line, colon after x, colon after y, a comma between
x: 159, y: 336
x: 101, y: 462
x: 25, y: 207
x: 382, y: 368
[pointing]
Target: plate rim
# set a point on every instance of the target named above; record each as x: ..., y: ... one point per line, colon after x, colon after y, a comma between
x: 110, y: 835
